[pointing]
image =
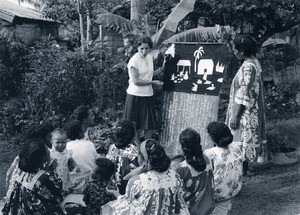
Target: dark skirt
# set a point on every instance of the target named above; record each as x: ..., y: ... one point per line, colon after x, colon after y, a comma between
x: 141, y: 110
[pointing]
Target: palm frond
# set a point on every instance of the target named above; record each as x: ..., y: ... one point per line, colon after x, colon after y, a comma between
x: 124, y: 26
x: 208, y: 34
x: 171, y: 23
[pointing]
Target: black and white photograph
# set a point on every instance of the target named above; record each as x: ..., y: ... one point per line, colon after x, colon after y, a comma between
x: 150, y: 107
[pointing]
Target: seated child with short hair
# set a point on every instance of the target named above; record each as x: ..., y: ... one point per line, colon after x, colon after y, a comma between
x: 63, y: 157
x: 95, y: 194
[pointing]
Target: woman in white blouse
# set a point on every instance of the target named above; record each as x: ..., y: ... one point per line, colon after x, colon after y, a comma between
x: 139, y: 106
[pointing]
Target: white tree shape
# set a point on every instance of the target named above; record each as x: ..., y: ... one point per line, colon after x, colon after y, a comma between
x: 197, y: 54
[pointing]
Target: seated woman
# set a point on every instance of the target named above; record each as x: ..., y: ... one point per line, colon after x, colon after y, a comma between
x: 42, y: 132
x: 123, y: 153
x: 226, y: 158
x: 35, y: 191
x: 196, y: 172
x: 158, y: 191
x: 86, y: 116
x: 84, y: 154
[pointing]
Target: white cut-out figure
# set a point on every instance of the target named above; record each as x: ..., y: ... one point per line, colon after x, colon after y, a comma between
x: 197, y: 54
x: 205, y: 67
x: 175, y: 81
x: 186, y: 76
x: 171, y: 50
x: 184, y: 64
x: 199, y: 81
x: 173, y: 77
x: 195, y: 87
x: 212, y: 87
x: 220, y: 67
x: 220, y: 80
x: 181, y: 74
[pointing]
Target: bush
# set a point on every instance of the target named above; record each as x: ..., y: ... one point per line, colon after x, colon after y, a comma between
x: 59, y: 80
x: 283, y: 135
x: 13, y: 64
x: 281, y: 102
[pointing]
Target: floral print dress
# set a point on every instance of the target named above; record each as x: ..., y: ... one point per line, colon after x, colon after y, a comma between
x: 125, y: 160
x: 198, y: 188
x: 95, y: 196
x: 34, y: 193
x: 247, y: 90
x: 152, y: 193
x: 227, y: 170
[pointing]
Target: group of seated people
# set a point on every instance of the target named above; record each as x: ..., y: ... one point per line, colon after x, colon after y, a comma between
x: 60, y: 172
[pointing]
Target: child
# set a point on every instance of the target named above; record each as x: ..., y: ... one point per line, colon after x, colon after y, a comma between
x: 196, y: 173
x: 226, y: 158
x: 95, y: 194
x: 65, y: 162
x: 123, y: 153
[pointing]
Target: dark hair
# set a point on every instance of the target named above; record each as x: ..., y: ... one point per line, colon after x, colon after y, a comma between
x: 81, y: 113
x: 32, y: 155
x: 106, y: 168
x: 39, y: 131
x: 124, y: 133
x: 74, y: 130
x: 190, y: 141
x: 157, y: 156
x: 220, y: 134
x: 145, y: 39
x: 245, y: 44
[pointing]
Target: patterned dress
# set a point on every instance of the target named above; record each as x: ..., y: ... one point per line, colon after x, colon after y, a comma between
x: 247, y: 90
x: 38, y: 194
x: 95, y: 196
x: 227, y: 170
x: 152, y: 193
x: 125, y: 160
x: 198, y: 188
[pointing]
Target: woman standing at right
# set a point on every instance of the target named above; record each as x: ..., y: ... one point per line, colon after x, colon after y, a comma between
x: 246, y: 112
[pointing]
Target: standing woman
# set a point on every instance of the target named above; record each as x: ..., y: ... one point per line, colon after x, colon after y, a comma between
x: 139, y: 105
x: 246, y: 112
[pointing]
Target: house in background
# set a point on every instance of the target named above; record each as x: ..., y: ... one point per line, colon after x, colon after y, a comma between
x: 27, y: 25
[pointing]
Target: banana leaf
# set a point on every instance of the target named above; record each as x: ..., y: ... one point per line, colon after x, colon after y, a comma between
x: 204, y: 34
x: 171, y: 23
x: 123, y: 25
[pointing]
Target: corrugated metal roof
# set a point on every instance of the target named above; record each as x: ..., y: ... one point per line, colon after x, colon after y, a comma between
x: 10, y: 10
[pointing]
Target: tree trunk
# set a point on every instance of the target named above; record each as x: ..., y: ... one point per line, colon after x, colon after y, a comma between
x: 138, y: 8
x: 89, y: 26
x: 81, y: 24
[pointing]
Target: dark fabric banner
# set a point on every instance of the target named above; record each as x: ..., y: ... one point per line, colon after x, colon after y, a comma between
x: 196, y: 68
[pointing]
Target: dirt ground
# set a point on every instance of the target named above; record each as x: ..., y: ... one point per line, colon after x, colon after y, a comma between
x: 274, y: 190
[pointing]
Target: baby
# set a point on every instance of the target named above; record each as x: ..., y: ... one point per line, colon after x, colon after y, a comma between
x: 63, y: 157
